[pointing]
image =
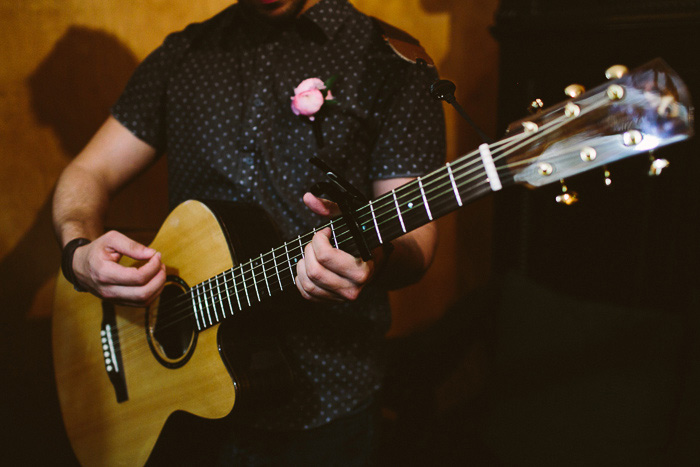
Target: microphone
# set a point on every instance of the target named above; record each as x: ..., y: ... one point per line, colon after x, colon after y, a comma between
x: 444, y: 90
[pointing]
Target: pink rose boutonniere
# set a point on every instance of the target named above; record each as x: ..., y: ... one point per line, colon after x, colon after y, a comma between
x: 310, y: 96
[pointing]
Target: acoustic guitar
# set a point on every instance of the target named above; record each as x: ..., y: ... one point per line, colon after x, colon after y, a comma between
x: 201, y: 347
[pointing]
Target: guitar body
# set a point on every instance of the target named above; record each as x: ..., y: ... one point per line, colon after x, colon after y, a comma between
x: 121, y: 372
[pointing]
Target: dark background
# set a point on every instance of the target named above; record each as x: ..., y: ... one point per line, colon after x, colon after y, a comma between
x: 588, y: 335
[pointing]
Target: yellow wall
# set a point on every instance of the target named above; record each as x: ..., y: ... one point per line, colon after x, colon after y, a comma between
x: 65, y: 61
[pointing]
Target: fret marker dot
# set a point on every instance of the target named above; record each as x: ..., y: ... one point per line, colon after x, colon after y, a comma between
x: 410, y: 205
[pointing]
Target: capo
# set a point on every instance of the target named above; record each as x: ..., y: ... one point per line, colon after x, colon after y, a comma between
x: 348, y: 198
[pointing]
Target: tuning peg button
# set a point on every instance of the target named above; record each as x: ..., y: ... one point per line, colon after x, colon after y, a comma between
x: 632, y: 137
x: 572, y: 110
x: 657, y: 166
x: 588, y: 154
x: 535, y: 106
x: 606, y: 174
x: 616, y: 72
x: 530, y: 127
x: 566, y: 197
x: 574, y: 90
x: 615, y: 92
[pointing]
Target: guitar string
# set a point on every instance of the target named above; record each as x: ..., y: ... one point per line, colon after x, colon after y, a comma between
x: 239, y: 271
x: 250, y: 265
x: 136, y: 335
x: 513, y: 143
x: 214, y: 303
x: 125, y: 337
x: 262, y: 265
x: 458, y: 167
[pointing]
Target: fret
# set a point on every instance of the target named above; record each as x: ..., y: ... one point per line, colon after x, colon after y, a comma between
x: 194, y: 307
x: 425, y: 201
x: 262, y: 265
x: 289, y: 262
x: 235, y: 288
x: 389, y: 219
x: 206, y: 305
x: 441, y: 192
x: 213, y: 302
x: 335, y: 239
x: 277, y: 271
x: 376, y: 226
x: 255, y: 281
x: 398, y: 211
x: 454, y: 185
x: 201, y: 308
x: 301, y: 247
x: 414, y: 215
x: 245, y: 287
x: 220, y: 298
x: 228, y: 296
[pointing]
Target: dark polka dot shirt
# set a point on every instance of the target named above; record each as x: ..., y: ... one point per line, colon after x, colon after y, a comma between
x: 216, y: 99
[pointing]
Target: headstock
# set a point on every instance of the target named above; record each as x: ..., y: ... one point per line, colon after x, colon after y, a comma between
x: 633, y: 113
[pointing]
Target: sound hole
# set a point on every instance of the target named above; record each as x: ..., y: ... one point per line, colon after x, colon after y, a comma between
x: 171, y: 326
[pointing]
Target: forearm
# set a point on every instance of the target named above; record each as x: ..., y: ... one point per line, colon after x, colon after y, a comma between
x: 79, y: 204
x: 411, y: 257
x: 413, y: 252
x: 112, y: 158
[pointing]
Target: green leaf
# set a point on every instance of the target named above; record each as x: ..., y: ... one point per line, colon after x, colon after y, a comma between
x: 330, y: 81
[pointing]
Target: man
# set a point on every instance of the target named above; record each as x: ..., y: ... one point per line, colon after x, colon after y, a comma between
x: 215, y: 98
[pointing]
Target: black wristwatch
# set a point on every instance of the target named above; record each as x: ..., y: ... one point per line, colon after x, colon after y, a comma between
x: 67, y: 261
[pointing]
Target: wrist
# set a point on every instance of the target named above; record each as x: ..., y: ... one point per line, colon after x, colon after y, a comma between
x: 67, y: 256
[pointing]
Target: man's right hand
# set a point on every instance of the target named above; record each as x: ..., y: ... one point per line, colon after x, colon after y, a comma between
x: 97, y: 269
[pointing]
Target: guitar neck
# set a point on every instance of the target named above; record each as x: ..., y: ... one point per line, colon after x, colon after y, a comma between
x: 417, y: 203
x: 381, y: 220
x: 640, y: 111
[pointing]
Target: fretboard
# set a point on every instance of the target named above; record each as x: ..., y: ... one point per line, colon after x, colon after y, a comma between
x: 382, y: 220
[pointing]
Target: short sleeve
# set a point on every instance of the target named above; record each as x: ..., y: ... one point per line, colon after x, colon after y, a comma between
x: 411, y: 139
x: 141, y: 107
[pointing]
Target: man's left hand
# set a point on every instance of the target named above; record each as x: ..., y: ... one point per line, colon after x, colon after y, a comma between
x: 326, y: 273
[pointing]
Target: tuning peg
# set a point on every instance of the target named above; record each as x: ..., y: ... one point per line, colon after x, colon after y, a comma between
x: 574, y: 90
x: 566, y: 197
x: 632, y: 137
x: 657, y: 165
x: 606, y: 174
x: 535, y: 106
x: 616, y: 72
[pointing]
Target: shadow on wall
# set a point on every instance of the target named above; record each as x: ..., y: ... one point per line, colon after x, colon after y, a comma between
x: 71, y: 92
x: 74, y: 87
